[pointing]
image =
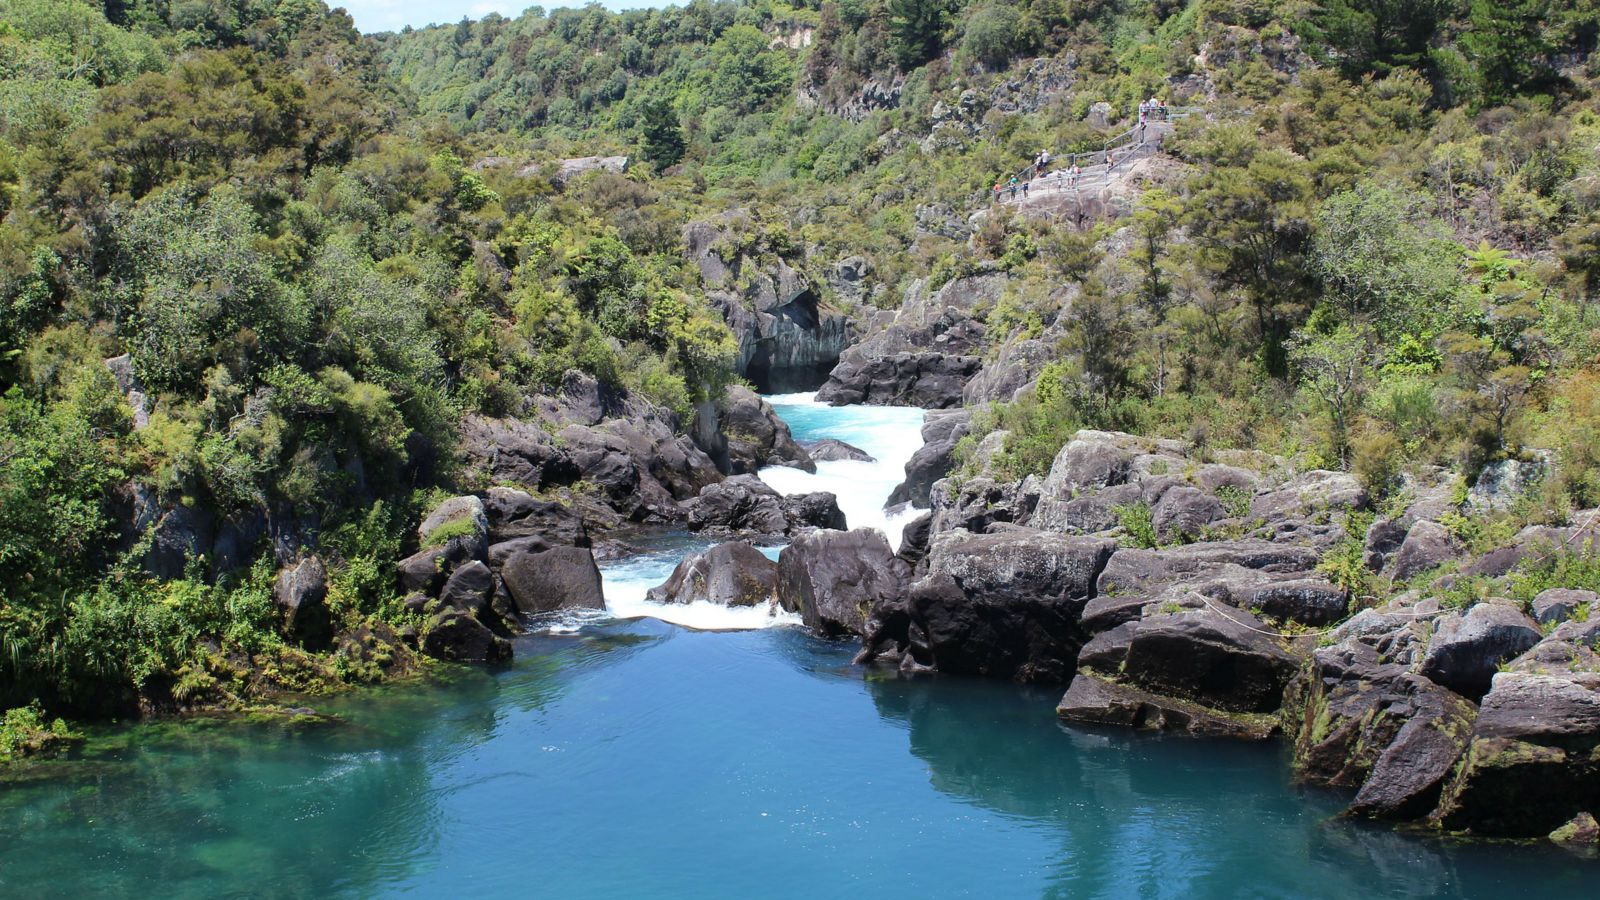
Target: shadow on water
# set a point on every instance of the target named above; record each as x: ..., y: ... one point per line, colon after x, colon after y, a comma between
x: 1159, y: 816
x: 289, y: 809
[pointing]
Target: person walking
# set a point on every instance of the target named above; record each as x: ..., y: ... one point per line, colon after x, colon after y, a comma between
x: 1013, y: 185
x: 1025, y: 190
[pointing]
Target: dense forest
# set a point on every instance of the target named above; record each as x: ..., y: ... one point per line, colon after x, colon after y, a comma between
x: 255, y: 267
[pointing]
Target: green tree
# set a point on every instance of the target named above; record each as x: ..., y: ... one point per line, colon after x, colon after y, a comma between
x: 917, y: 30
x: 1505, y: 41
x: 660, y: 133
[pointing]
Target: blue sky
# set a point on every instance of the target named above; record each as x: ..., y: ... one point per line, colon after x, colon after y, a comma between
x: 392, y: 15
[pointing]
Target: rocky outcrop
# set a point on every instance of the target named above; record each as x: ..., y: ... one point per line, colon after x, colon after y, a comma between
x: 571, y: 169
x: 731, y: 574
x: 301, y: 592
x: 934, y: 459
x: 744, y: 504
x: 929, y: 380
x: 1467, y: 648
x: 1097, y: 700
x: 788, y: 340
x: 624, y: 453
x: 1005, y: 605
x: 558, y: 578
x: 748, y: 434
x: 834, y: 578
x: 1533, y: 764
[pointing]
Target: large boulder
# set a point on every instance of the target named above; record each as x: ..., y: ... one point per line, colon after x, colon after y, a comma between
x: 731, y: 574
x: 301, y: 592
x: 750, y: 435
x: 831, y: 450
x: 1364, y: 721
x: 459, y: 518
x: 554, y: 579
x: 1005, y: 605
x: 834, y: 578
x: 1226, y: 661
x: 1467, y: 648
x: 517, y: 514
x: 1534, y: 761
x: 469, y: 588
x: 744, y: 504
x: 457, y: 636
x: 1427, y: 546
x: 933, y: 460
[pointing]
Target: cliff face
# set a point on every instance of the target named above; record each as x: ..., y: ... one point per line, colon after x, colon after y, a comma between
x: 788, y: 340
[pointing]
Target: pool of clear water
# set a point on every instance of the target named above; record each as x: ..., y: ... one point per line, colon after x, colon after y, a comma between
x: 630, y: 757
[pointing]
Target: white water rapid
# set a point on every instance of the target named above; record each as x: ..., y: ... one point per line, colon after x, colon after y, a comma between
x: 890, y: 434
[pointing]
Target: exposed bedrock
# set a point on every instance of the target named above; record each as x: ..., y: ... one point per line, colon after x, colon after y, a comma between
x: 833, y: 579
x: 742, y: 433
x: 788, y: 340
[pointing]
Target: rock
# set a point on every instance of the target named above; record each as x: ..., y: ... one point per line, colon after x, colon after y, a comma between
x: 977, y: 504
x: 456, y: 636
x: 916, y: 538
x: 1091, y: 460
x: 469, y: 588
x: 931, y: 380
x: 459, y: 518
x: 555, y: 579
x: 1500, y: 484
x: 830, y: 450
x: 517, y: 514
x: 1310, y: 496
x: 1308, y: 601
x: 1427, y: 546
x: 425, y: 571
x: 504, y: 550
x: 1227, y: 662
x: 833, y: 578
x: 1582, y: 831
x: 743, y: 503
x: 788, y: 340
x: 1557, y: 605
x: 1138, y: 571
x: 731, y: 574
x: 1003, y: 605
x: 1184, y: 513
x: 300, y: 593
x: 754, y: 436
x: 573, y: 168
x: 1099, y: 701
x: 1467, y: 648
x: 818, y: 509
x: 1099, y: 115
x: 933, y: 460
x: 1534, y: 761
x: 510, y: 451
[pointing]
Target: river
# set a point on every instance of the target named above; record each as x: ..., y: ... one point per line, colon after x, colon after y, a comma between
x: 626, y: 756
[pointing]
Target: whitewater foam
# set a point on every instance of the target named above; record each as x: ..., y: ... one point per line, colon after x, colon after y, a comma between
x: 889, y: 434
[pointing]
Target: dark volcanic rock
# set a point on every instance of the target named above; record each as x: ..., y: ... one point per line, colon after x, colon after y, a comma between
x: 558, y: 578
x: 744, y: 504
x: 731, y: 574
x: 1227, y: 662
x: 469, y: 588
x: 1004, y: 605
x: 517, y: 514
x: 1534, y: 761
x: 830, y: 450
x: 300, y: 593
x: 931, y: 380
x: 1557, y: 605
x: 751, y: 435
x: 1132, y: 571
x: 819, y: 509
x: 1467, y: 648
x: 933, y: 460
x: 1184, y: 513
x: 1098, y: 701
x: 1427, y: 545
x: 834, y: 578
x: 456, y: 636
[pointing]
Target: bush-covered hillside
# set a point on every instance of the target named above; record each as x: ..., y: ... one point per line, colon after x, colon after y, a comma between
x: 1377, y: 249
